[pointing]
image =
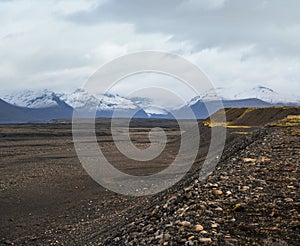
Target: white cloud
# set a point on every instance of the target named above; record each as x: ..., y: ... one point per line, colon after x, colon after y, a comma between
x: 58, y: 44
x: 194, y: 5
x: 230, y: 68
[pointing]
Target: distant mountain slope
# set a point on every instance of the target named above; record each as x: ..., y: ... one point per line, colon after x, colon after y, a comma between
x: 40, y: 105
x: 201, y: 112
x: 62, y: 110
x: 47, y: 105
x: 256, y: 116
x: 13, y: 114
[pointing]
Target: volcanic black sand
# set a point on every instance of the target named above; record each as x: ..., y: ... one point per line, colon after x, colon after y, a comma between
x: 252, y: 198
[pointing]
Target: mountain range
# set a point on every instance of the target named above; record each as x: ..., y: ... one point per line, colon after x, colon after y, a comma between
x: 44, y: 106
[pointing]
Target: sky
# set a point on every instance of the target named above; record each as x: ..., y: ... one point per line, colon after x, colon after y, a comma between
x: 238, y: 44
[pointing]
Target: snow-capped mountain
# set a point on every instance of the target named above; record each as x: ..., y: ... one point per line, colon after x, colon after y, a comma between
x: 33, y: 106
x: 42, y: 106
x: 213, y: 94
x: 141, y: 102
x: 80, y: 99
x: 268, y: 95
x: 33, y: 99
x: 153, y: 111
x: 259, y: 92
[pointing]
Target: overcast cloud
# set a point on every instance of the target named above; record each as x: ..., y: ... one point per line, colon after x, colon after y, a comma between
x: 57, y: 44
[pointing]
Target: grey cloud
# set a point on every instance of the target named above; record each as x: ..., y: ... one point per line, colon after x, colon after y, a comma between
x: 236, y: 42
x: 264, y: 24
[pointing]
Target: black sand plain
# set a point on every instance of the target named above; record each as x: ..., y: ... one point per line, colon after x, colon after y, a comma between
x: 47, y: 198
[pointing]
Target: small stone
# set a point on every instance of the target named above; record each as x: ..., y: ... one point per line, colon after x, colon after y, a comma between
x: 190, y: 243
x: 185, y: 223
x: 218, y: 192
x: 248, y: 160
x: 219, y: 209
x: 203, y: 232
x: 231, y: 241
x: 288, y: 200
x: 205, y: 240
x: 209, y: 212
x: 169, y: 225
x: 167, y: 236
x: 181, y: 229
x: 172, y: 198
x: 238, y: 207
x: 159, y: 236
x: 132, y: 224
x: 198, y: 228
x: 189, y: 195
x: 188, y: 188
x: 214, y: 225
x: 264, y: 159
x: 191, y: 237
x: 244, y: 188
x: 166, y: 243
x: 155, y: 210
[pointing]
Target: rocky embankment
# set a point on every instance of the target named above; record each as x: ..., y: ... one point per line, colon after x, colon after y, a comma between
x: 252, y: 198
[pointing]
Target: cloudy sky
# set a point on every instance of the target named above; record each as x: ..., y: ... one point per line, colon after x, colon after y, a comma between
x: 239, y: 44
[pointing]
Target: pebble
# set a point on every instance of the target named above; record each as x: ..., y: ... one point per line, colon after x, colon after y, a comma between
x: 217, y: 192
x: 288, y: 200
x: 167, y: 236
x: 244, y: 188
x: 205, y: 240
x: 198, y: 228
x: 185, y: 223
x: 191, y: 237
x: 214, y: 225
x: 264, y: 159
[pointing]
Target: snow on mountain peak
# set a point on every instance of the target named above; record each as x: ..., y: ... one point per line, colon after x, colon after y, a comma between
x: 266, y: 94
x: 81, y: 99
x: 32, y: 99
x: 211, y: 95
x: 155, y: 110
x: 263, y: 89
x: 260, y: 92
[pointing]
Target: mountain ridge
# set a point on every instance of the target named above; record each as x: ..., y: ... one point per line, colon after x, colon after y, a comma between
x: 47, y: 105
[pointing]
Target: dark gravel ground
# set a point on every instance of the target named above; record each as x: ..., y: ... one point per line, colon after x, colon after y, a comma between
x: 252, y: 198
